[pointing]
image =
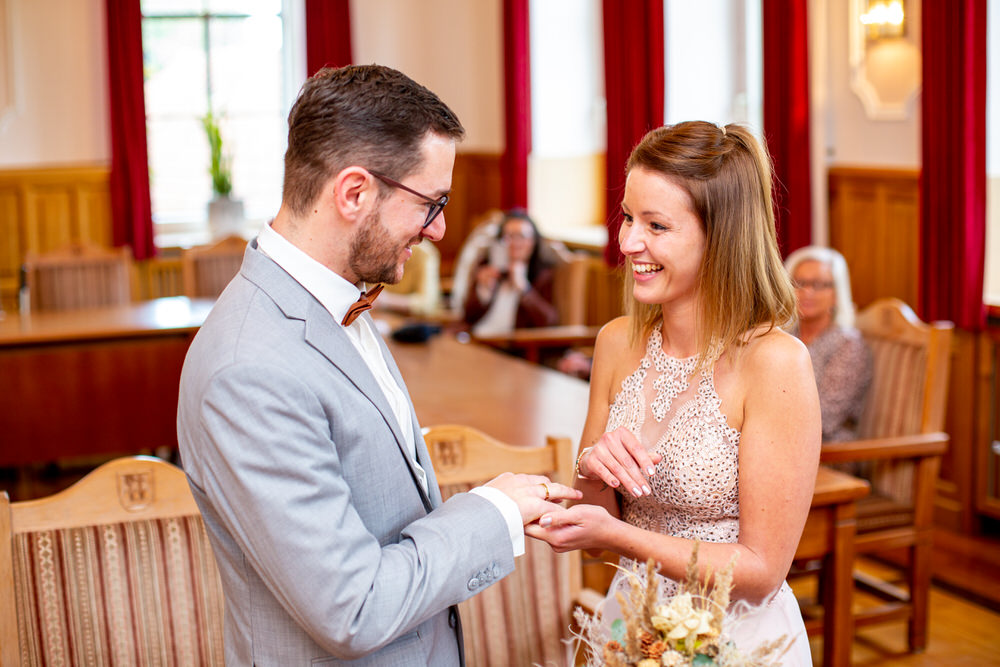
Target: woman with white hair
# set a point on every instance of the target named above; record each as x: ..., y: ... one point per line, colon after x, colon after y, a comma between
x: 840, y: 358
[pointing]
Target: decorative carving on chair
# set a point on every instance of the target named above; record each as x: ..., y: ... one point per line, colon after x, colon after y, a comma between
x: 135, y: 490
x: 448, y: 454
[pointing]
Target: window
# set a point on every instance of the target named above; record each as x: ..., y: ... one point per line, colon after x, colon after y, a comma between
x: 237, y: 60
x: 721, y: 38
x: 568, y: 117
x: 714, y: 54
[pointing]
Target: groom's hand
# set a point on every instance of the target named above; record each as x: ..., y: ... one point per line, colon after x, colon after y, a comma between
x: 535, y: 495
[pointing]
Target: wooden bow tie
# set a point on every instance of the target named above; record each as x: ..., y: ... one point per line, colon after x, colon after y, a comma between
x: 363, y: 303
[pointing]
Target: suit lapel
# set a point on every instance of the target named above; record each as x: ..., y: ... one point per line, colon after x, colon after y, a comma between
x: 423, y: 456
x: 329, y: 339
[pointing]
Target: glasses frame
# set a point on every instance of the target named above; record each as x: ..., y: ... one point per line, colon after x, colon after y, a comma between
x: 813, y: 285
x: 437, y: 205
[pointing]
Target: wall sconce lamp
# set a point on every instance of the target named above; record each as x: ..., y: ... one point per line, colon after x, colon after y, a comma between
x: 884, y: 18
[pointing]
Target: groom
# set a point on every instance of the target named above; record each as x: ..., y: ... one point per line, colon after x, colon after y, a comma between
x: 296, y: 431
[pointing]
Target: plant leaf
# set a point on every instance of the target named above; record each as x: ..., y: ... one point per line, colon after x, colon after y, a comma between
x: 618, y: 630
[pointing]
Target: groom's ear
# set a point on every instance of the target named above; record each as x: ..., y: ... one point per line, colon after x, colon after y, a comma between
x: 353, y: 193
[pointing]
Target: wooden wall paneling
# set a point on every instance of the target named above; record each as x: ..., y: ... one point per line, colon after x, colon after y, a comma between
x: 45, y: 208
x: 874, y: 222
x: 475, y: 187
x: 10, y: 248
x: 49, y: 218
x: 956, y: 480
x: 901, y: 240
x: 93, y: 207
x: 987, y: 431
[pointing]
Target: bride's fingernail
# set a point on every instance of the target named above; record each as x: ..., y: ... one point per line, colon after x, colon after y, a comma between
x: 650, y: 470
x: 545, y: 521
x: 636, y: 492
x: 645, y: 489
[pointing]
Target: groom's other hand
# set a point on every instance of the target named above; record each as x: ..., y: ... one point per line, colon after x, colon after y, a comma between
x: 534, y: 494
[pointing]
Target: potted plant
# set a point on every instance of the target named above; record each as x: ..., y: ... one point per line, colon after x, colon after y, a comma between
x: 225, y: 214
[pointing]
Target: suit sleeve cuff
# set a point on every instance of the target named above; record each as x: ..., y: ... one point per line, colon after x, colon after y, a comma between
x: 509, y: 511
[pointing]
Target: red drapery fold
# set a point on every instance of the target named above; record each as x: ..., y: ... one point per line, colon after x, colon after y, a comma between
x: 633, y: 83
x: 131, y: 211
x: 517, y: 104
x: 953, y: 177
x: 328, y: 34
x: 786, y: 118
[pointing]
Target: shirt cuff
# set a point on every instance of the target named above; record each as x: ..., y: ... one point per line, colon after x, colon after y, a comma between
x: 511, y: 514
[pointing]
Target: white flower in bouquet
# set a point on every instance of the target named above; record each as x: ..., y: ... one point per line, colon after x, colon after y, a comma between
x: 686, y: 630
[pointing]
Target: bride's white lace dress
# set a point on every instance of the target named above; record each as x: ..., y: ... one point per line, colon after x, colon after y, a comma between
x: 695, y: 491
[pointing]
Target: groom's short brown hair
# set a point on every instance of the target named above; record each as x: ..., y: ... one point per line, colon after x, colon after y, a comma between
x: 366, y: 115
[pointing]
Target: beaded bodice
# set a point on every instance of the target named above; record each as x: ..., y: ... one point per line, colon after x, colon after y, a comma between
x: 695, y: 488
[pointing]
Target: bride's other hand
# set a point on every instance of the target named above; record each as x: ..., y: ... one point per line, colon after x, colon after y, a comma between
x: 618, y: 459
x: 579, y: 527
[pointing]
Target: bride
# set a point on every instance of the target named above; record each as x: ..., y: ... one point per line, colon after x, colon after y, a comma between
x: 703, y: 421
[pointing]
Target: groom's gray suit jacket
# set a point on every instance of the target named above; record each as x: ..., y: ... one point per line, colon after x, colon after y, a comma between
x: 330, y: 552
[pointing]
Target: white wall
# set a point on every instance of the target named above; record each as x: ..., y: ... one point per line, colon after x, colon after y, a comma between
x: 58, y: 77
x: 54, y: 97
x: 852, y: 137
x: 53, y: 53
x: 453, y: 47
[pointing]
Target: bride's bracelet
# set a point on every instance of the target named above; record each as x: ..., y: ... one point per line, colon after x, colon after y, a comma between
x: 576, y: 466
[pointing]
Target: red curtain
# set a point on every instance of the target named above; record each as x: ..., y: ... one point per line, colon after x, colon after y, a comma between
x: 517, y: 104
x: 786, y: 118
x: 328, y: 34
x: 131, y: 211
x: 633, y: 84
x: 953, y: 177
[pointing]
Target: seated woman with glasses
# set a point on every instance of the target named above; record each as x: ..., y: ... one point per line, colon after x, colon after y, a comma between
x: 512, y: 286
x: 841, y: 360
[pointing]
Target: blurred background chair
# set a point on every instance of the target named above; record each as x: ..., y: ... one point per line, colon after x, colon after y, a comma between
x: 523, y: 619
x: 78, y: 275
x: 116, y: 569
x: 206, y: 270
x: 899, y: 453
x: 418, y: 293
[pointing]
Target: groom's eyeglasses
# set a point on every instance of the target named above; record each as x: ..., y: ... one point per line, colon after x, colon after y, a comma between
x: 436, y: 205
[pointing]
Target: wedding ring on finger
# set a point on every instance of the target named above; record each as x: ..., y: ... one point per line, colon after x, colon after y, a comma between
x: 546, y: 487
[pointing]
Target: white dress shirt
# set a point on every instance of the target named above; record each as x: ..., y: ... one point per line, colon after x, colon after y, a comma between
x: 337, y: 295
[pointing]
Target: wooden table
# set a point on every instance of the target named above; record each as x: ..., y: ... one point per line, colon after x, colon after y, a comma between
x: 507, y: 398
x: 829, y: 535
x: 105, y: 381
x: 533, y: 341
x: 93, y: 381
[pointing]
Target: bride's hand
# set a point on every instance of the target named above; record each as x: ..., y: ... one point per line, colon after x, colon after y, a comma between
x: 579, y: 527
x: 618, y: 459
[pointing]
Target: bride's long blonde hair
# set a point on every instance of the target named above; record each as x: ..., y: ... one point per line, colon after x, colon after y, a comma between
x: 742, y: 284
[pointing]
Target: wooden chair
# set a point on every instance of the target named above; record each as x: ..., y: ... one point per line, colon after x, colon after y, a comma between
x: 206, y: 270
x: 900, y: 454
x: 523, y: 619
x: 117, y: 569
x: 78, y: 275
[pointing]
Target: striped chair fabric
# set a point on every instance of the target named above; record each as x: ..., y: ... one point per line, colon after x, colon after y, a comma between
x: 117, y: 590
x: 79, y: 276
x: 207, y: 270
x: 523, y: 619
x: 135, y: 593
